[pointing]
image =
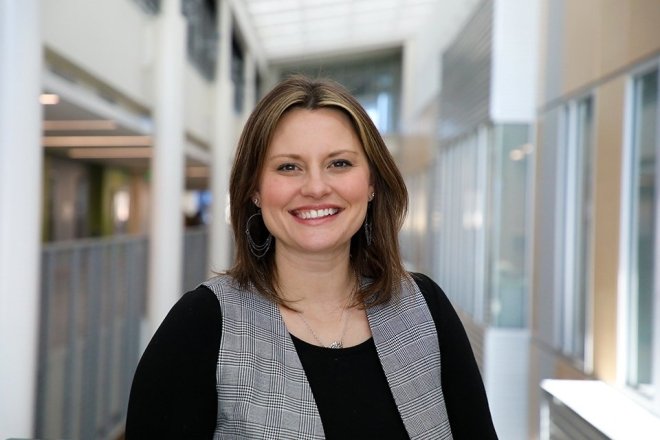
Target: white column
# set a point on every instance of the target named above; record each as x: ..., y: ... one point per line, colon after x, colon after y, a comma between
x: 20, y: 212
x: 220, y: 257
x: 167, y: 166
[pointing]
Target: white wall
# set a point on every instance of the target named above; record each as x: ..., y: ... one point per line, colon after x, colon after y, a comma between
x: 114, y: 42
x: 111, y: 40
x: 198, y: 104
x: 506, y: 377
x: 514, y: 61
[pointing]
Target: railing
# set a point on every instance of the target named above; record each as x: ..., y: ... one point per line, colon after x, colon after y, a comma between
x: 92, y: 306
x: 195, y: 252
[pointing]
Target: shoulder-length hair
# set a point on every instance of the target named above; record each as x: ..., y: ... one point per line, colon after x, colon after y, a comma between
x: 377, y: 259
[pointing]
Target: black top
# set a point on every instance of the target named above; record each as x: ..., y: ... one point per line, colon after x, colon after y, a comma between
x: 351, y: 391
x: 174, y: 388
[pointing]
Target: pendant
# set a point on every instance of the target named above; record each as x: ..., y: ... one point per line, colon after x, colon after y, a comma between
x: 336, y: 344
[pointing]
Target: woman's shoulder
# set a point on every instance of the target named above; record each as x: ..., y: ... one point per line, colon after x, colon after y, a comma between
x: 442, y: 311
x: 427, y: 286
x: 198, y: 308
x: 220, y: 282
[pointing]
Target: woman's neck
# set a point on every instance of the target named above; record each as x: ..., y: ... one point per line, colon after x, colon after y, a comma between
x: 315, y: 282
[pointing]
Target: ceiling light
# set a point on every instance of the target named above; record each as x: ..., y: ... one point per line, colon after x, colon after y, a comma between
x: 82, y: 124
x: 49, y: 99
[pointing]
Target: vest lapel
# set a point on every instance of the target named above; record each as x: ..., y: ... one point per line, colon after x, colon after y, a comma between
x: 262, y: 388
x: 407, y: 345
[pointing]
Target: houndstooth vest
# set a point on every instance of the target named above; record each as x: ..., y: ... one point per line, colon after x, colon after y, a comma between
x: 263, y: 392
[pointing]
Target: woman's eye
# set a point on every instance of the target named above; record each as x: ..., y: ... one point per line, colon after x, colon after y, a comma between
x: 286, y: 167
x: 341, y: 163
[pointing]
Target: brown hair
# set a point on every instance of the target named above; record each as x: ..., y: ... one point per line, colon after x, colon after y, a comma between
x: 380, y: 260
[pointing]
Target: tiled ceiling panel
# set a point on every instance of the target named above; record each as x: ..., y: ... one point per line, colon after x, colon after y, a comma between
x: 289, y: 29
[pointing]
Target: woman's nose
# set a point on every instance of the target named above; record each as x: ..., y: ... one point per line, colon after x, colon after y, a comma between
x: 315, y: 185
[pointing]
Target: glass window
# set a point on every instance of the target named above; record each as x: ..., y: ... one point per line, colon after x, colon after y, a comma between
x: 510, y: 165
x: 575, y: 244
x: 375, y: 81
x: 461, y: 226
x: 480, y: 222
x: 238, y: 73
x: 202, y: 37
x: 642, y: 234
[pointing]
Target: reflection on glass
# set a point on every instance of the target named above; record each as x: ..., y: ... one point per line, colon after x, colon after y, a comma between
x: 575, y: 222
x: 642, y: 227
x: 508, y: 198
x: 583, y: 224
x: 482, y: 223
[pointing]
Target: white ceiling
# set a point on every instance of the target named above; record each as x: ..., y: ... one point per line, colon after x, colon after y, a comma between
x: 294, y: 29
x: 285, y: 30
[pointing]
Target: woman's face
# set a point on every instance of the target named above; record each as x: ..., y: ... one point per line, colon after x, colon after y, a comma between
x: 315, y: 184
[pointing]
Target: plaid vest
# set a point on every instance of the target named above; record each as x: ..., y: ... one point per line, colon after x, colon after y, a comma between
x: 262, y: 388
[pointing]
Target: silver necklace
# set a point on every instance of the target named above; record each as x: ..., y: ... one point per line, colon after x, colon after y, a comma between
x: 334, y: 344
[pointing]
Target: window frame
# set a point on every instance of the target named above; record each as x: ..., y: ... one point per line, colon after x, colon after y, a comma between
x: 568, y: 219
x: 628, y: 232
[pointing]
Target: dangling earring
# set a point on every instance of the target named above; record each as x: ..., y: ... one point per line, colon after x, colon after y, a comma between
x: 367, y: 225
x: 367, y: 230
x: 258, y: 250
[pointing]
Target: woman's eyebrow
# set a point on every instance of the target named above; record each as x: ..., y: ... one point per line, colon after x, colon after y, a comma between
x: 340, y: 152
x: 299, y: 157
x: 285, y: 156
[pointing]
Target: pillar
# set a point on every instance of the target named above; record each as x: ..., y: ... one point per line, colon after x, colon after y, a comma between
x: 20, y: 212
x: 167, y: 166
x: 220, y: 236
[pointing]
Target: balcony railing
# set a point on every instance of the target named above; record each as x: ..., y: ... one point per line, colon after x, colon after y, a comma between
x: 92, y: 308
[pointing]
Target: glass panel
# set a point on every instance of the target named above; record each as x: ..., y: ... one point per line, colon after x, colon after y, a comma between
x: 575, y: 182
x: 459, y: 222
x: 642, y: 253
x: 583, y: 209
x: 202, y: 37
x: 510, y: 165
x: 374, y: 81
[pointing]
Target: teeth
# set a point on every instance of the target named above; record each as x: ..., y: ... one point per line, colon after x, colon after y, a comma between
x: 317, y: 213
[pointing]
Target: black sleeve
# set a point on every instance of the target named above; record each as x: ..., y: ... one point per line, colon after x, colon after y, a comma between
x: 462, y: 386
x: 173, y: 393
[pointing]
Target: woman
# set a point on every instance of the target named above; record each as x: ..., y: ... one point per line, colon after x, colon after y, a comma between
x: 317, y: 330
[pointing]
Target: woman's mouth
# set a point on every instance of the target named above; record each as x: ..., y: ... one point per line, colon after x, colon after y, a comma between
x: 307, y: 214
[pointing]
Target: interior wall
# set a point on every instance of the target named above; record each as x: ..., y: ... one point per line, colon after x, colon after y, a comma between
x: 602, y: 37
x: 111, y: 40
x: 590, y: 46
x: 609, y: 140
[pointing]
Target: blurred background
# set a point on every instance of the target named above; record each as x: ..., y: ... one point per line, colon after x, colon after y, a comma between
x: 527, y: 131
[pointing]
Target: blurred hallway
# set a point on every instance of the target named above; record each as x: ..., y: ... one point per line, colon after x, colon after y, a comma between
x: 526, y: 130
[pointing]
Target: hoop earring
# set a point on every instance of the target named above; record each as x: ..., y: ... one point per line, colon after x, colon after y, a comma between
x: 258, y: 250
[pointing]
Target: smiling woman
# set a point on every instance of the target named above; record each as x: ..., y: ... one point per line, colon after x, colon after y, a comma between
x: 315, y: 185
x: 300, y: 120
x: 317, y: 331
